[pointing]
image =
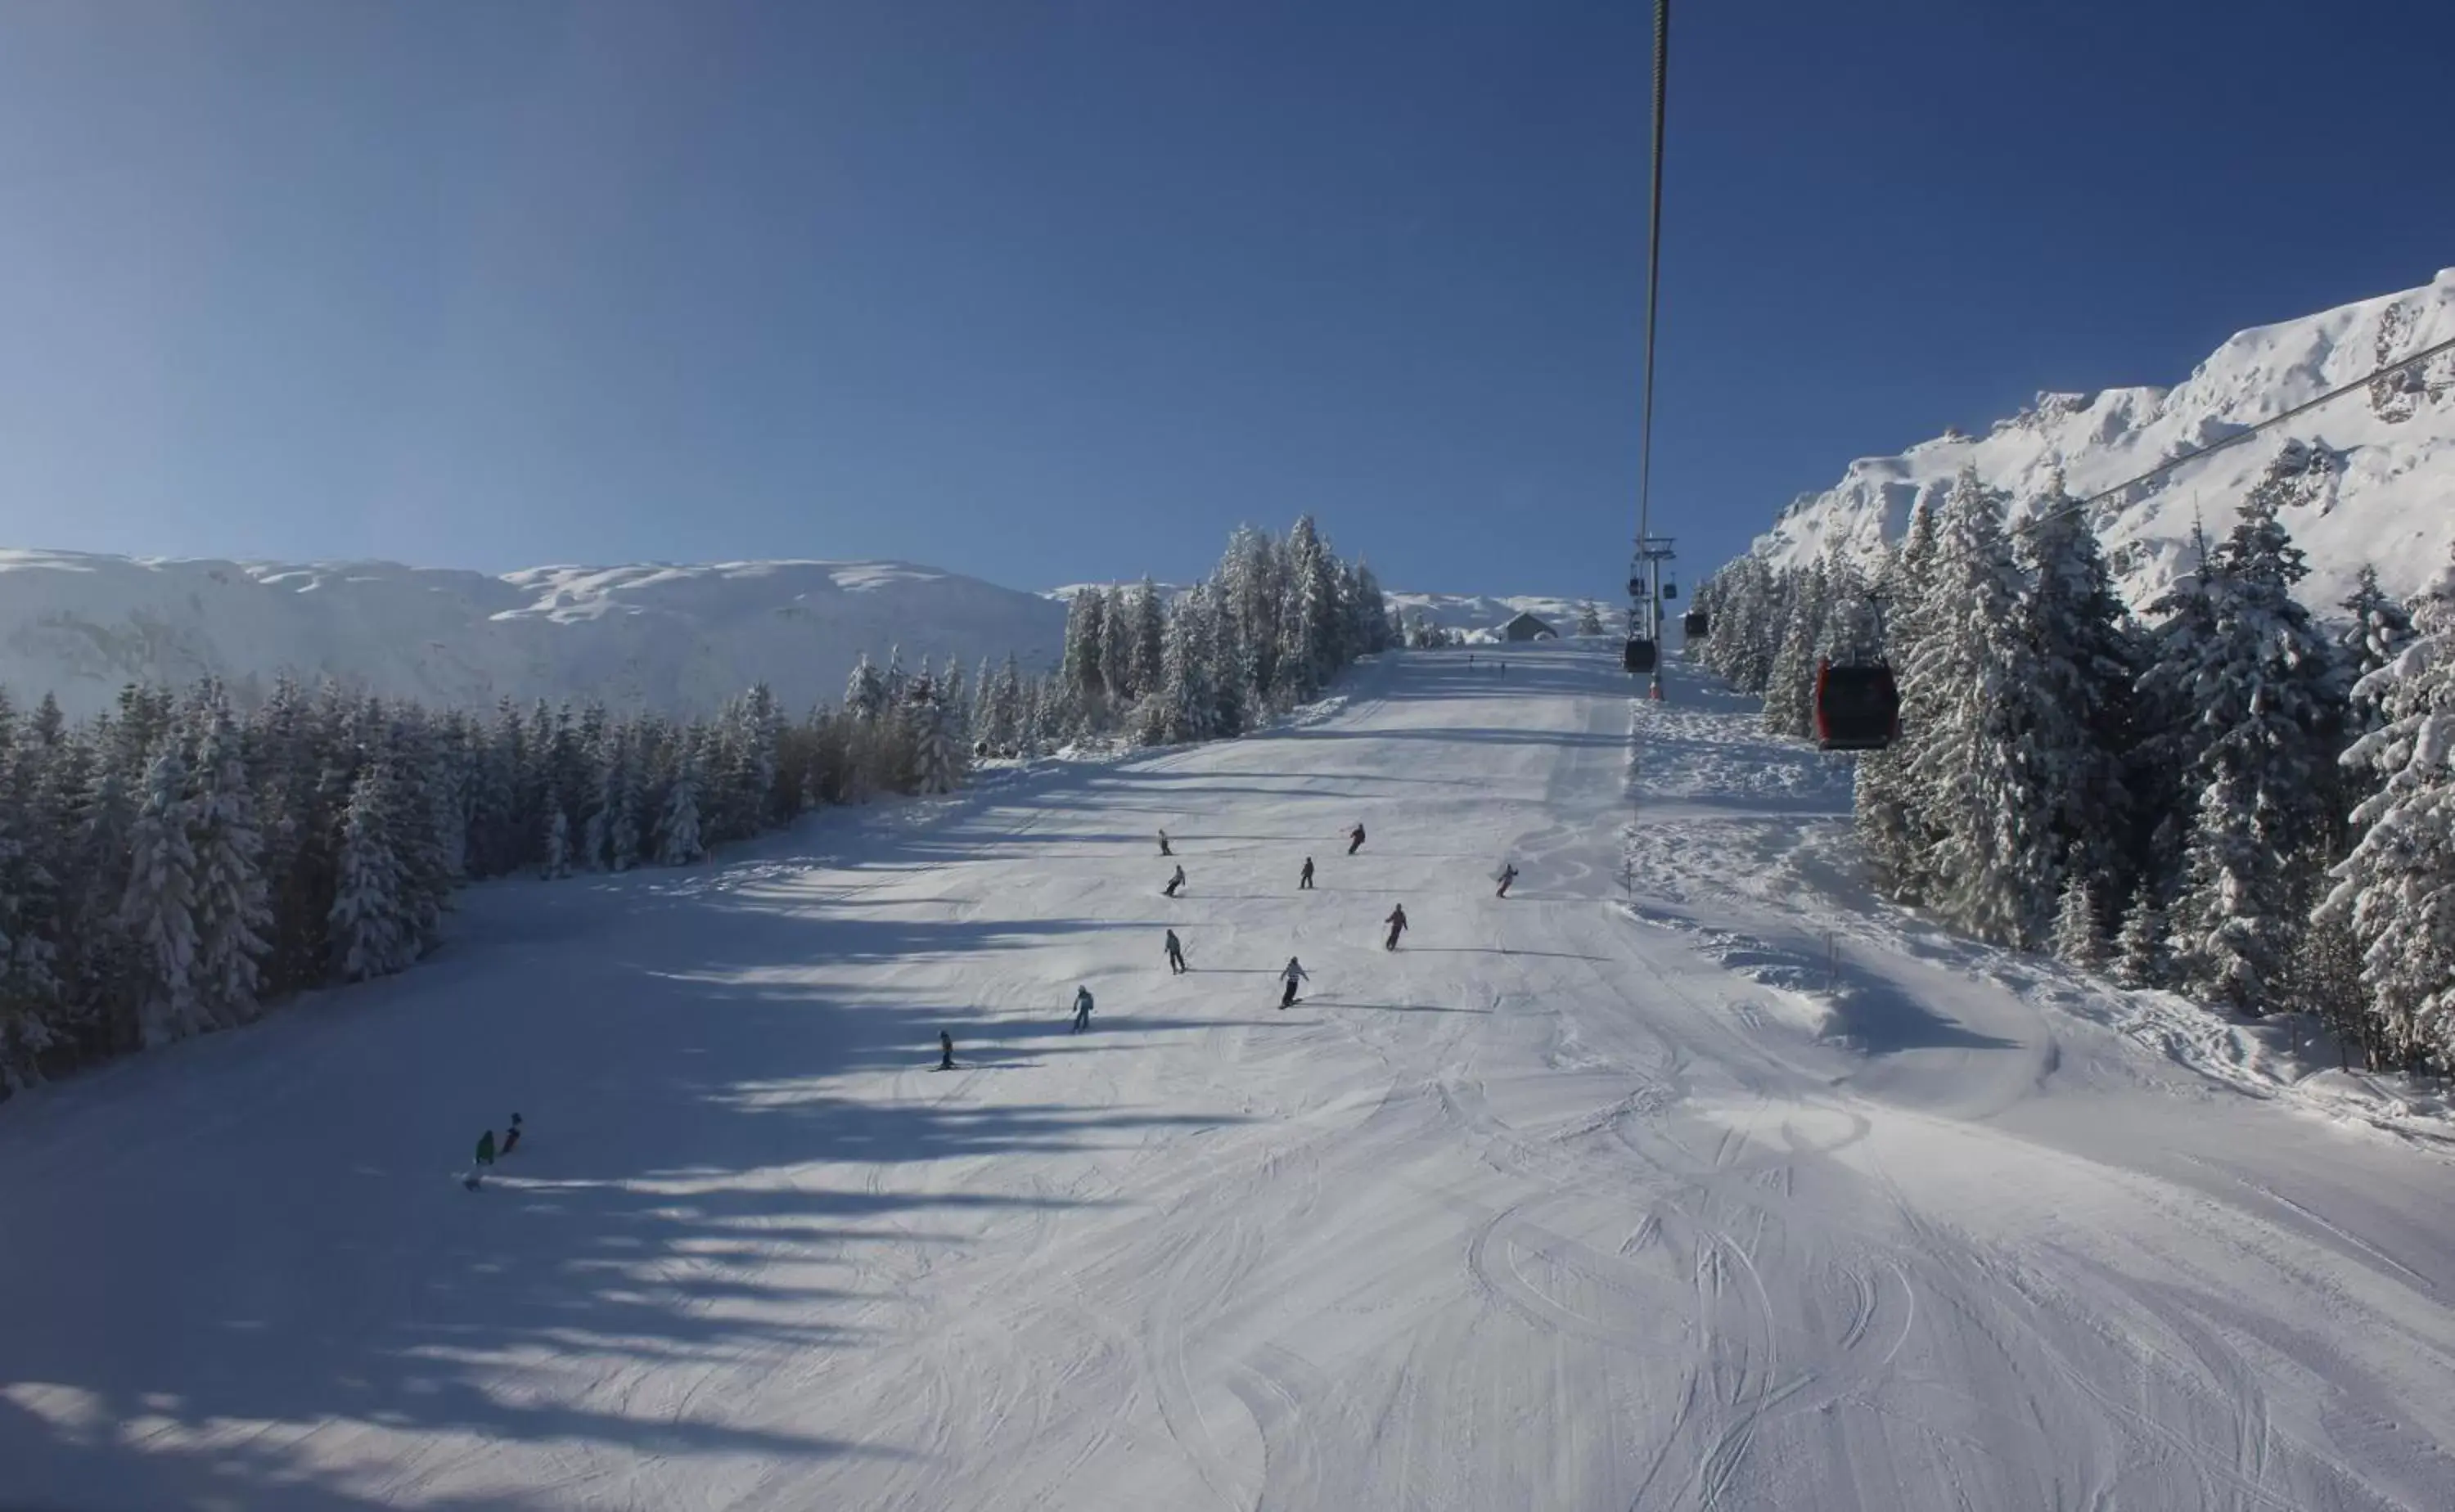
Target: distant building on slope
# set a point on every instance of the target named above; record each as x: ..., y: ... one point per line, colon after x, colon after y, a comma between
x: 1526, y: 627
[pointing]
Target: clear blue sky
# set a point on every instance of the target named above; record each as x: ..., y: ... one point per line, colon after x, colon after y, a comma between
x: 1045, y: 291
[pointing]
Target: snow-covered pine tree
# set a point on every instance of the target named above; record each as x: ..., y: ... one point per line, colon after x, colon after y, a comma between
x: 2270, y: 707
x: 557, y: 843
x: 1894, y: 830
x: 955, y: 711
x: 677, y: 833
x: 370, y: 934
x: 2079, y: 939
x: 2376, y: 631
x: 1790, y: 689
x: 1149, y: 640
x: 2396, y: 890
x: 1085, y: 642
x: 160, y: 904
x: 1248, y: 585
x: 1991, y: 864
x: 1310, y: 651
x: 939, y: 756
x: 622, y: 800
x: 2140, y: 945
x: 866, y: 691
x: 2169, y: 741
x: 1185, y: 701
x: 1590, y: 617
x: 1117, y: 669
x: 233, y: 912
x: 2084, y: 665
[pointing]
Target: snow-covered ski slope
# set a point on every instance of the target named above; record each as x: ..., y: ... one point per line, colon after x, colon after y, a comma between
x: 1564, y: 1204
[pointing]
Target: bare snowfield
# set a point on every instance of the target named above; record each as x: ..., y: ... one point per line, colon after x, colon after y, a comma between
x: 1579, y: 1200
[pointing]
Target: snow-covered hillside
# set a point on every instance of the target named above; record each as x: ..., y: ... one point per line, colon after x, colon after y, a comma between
x: 2371, y: 475
x: 1710, y: 1184
x: 676, y: 639
x: 1476, y: 611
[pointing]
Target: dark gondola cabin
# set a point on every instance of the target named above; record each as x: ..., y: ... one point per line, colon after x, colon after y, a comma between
x: 1639, y: 655
x: 1856, y: 708
x: 1694, y: 624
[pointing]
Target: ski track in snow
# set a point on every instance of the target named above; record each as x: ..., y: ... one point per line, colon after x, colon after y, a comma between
x: 1615, y: 1193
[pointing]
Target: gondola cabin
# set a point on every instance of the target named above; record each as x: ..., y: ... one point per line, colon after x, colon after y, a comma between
x: 1639, y: 655
x: 1856, y: 708
x: 1694, y: 624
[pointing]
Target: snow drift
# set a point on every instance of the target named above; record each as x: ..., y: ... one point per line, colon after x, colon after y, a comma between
x: 2369, y: 478
x: 679, y: 639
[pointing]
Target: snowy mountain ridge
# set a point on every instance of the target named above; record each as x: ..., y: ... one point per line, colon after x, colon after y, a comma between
x: 679, y: 639
x: 2369, y: 478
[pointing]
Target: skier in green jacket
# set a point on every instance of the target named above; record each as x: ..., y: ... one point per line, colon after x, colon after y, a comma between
x: 485, y: 1159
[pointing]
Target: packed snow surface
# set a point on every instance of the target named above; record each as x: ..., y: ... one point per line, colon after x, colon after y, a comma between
x: 668, y: 637
x: 2369, y: 478
x: 1708, y: 1182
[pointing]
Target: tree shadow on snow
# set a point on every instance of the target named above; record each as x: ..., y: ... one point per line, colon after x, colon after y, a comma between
x: 702, y: 1188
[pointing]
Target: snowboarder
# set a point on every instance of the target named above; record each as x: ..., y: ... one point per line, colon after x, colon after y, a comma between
x: 1082, y: 1009
x: 945, y: 1050
x: 1173, y: 883
x: 1397, y: 923
x: 510, y: 1136
x: 1294, y: 974
x: 1508, y: 875
x: 1356, y: 839
x: 485, y: 1157
x: 1176, y: 966
x: 1304, y: 879
x: 1163, y: 844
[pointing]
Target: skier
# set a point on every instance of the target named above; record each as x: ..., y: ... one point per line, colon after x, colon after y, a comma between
x: 1294, y: 974
x: 1173, y: 883
x: 945, y: 1050
x: 1176, y: 966
x: 1082, y: 1009
x: 485, y: 1159
x: 1356, y: 839
x: 1163, y: 844
x: 1304, y: 879
x: 512, y: 1136
x: 1397, y: 923
x: 1508, y: 875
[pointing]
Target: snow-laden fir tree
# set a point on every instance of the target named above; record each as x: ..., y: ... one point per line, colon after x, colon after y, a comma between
x: 1893, y: 828
x: 1117, y: 667
x: 1991, y: 867
x: 159, y: 908
x: 369, y: 931
x: 2084, y: 661
x: 1184, y: 702
x: 677, y: 833
x: 557, y: 844
x: 1789, y: 691
x: 2169, y: 741
x: 2397, y: 889
x: 1085, y: 642
x: 2269, y: 726
x: 231, y: 913
x: 2079, y: 939
x: 1149, y: 639
x: 2376, y: 631
x: 1311, y: 650
x: 2140, y: 945
x: 939, y: 756
x: 864, y: 691
x: 1590, y: 619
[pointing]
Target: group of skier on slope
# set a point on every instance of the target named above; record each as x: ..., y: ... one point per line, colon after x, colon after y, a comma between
x: 1294, y: 974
